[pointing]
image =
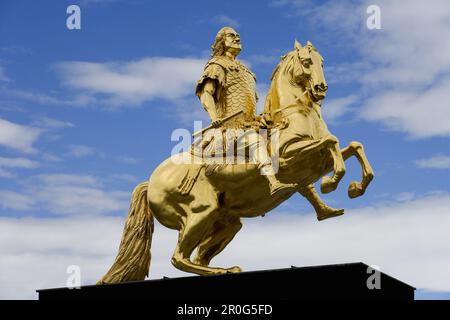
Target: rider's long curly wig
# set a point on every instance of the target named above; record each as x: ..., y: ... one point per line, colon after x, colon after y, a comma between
x: 218, y: 48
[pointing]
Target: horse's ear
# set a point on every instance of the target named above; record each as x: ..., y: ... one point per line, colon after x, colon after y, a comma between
x: 309, y: 44
x: 297, y: 45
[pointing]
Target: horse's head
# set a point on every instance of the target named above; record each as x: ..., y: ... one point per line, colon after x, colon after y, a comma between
x: 297, y: 80
x: 307, y: 70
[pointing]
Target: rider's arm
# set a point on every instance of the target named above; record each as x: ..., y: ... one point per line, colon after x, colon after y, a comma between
x: 207, y: 99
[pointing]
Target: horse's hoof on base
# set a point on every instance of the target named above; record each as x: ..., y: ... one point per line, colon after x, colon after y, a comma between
x: 355, y: 190
x: 328, y: 185
x: 330, y: 213
x: 235, y: 269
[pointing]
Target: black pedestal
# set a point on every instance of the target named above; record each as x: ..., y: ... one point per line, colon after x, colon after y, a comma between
x: 341, y: 281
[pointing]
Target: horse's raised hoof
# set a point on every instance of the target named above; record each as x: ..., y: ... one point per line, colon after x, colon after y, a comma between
x: 355, y: 190
x: 328, y: 184
x: 329, y: 212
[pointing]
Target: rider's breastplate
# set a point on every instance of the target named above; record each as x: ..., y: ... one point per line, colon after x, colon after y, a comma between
x: 238, y: 94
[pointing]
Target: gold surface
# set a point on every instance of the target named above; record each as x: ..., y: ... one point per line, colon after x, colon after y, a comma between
x: 206, y: 206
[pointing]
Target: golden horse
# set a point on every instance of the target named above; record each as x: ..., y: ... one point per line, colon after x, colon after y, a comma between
x: 209, y: 216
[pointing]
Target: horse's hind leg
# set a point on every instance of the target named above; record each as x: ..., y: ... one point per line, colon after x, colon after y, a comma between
x: 220, y: 236
x: 197, y: 226
x: 356, y: 149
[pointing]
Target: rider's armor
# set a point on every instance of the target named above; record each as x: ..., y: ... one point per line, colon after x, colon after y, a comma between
x: 235, y: 90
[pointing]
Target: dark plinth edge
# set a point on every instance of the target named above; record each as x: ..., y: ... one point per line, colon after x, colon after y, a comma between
x: 337, y: 281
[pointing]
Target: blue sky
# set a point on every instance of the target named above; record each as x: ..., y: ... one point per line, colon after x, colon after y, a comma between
x: 87, y: 114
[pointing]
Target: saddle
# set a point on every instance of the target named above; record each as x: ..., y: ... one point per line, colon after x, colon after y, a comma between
x: 217, y: 154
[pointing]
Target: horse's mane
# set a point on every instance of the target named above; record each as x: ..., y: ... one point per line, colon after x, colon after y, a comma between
x: 285, y: 61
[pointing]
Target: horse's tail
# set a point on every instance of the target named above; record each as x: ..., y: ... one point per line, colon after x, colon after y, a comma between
x: 133, y: 260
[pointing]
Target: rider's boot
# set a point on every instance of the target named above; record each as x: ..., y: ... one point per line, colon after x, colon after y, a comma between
x: 279, y: 188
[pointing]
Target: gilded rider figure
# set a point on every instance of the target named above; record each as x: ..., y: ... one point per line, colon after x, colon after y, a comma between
x: 226, y: 87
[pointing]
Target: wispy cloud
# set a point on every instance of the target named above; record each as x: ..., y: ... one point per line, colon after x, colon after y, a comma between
x: 225, y: 21
x: 65, y: 194
x: 264, y: 59
x: 336, y: 108
x: 421, y: 113
x: 18, y: 163
x: 438, y: 161
x: 15, y: 163
x: 50, y: 157
x: 51, y: 123
x: 3, y: 76
x: 125, y: 84
x: 80, y: 151
x: 124, y: 177
x: 18, y: 137
x: 128, y: 160
x: 12, y: 200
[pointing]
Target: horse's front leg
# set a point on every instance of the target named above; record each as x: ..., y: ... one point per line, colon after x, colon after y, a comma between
x: 322, y: 210
x: 330, y: 183
x: 356, y: 149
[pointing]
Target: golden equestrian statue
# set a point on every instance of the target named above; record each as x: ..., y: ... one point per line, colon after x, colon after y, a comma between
x: 206, y: 200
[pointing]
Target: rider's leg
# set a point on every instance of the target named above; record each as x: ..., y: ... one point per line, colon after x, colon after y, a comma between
x: 322, y: 210
x: 259, y: 155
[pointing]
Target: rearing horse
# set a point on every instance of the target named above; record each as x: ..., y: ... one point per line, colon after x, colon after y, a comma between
x: 209, y: 216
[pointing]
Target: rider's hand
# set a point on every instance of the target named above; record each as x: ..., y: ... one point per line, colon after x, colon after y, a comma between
x: 217, y: 123
x: 263, y: 120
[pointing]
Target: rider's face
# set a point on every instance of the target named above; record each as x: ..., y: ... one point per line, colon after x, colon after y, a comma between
x: 232, y: 42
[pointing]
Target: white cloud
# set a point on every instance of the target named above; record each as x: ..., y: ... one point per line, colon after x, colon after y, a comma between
x: 124, y: 177
x: 225, y: 21
x: 125, y: 84
x: 40, y: 259
x: 345, y: 72
x: 80, y: 151
x: 3, y: 76
x: 190, y: 110
x: 50, y: 157
x: 18, y: 137
x: 261, y: 89
x: 438, y: 161
x: 411, y: 55
x: 264, y: 59
x: 66, y: 194
x: 403, y: 69
x: 334, y: 108
x: 16, y: 201
x: 408, y: 240
x: 5, y: 174
x: 128, y: 160
x: 50, y: 123
x: 20, y: 163
x: 421, y: 113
